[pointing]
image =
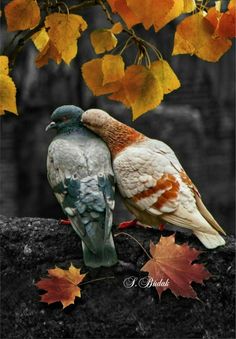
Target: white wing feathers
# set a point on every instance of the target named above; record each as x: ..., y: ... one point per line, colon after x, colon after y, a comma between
x: 150, y: 176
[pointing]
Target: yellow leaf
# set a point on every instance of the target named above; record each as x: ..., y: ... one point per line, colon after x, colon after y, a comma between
x: 7, y: 95
x: 103, y: 40
x: 189, y: 6
x: 214, y: 49
x: 112, y: 68
x: 4, y: 64
x: 120, y: 95
x: 142, y: 89
x: 40, y: 39
x: 148, y: 13
x: 48, y: 52
x: 165, y: 75
x: 22, y: 14
x: 122, y: 8
x: 72, y: 275
x: 63, y: 31
x: 194, y: 35
x: 93, y: 76
x: 116, y: 28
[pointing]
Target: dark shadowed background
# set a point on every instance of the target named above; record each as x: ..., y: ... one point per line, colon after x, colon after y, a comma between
x: 197, y: 121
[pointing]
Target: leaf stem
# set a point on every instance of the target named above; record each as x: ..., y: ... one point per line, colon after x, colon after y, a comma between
x: 127, y: 234
x: 85, y: 4
x: 98, y: 279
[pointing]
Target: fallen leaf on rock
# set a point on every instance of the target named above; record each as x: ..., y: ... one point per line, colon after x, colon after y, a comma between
x: 172, y: 263
x: 62, y: 285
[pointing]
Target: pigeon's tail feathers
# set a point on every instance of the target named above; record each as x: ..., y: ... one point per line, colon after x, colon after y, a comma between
x: 105, y: 254
x: 210, y: 240
x: 76, y: 224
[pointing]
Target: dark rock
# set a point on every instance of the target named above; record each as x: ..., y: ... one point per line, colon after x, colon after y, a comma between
x: 107, y: 309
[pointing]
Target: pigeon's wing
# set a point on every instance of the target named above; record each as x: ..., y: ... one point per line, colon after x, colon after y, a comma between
x: 87, y: 199
x: 89, y: 203
x: 150, y: 176
x: 148, y: 179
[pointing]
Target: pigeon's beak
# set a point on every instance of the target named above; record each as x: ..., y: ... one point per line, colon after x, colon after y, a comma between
x: 50, y: 126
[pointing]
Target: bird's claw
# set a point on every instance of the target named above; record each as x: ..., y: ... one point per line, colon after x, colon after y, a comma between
x: 64, y: 222
x: 127, y: 224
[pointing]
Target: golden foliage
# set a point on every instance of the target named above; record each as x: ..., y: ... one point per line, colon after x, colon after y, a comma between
x: 94, y: 77
x: 194, y: 35
x: 8, y: 88
x: 63, y: 31
x: 22, y: 14
x: 103, y: 40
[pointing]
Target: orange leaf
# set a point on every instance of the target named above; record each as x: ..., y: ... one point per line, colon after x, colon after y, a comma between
x: 120, y: 7
x: 223, y: 23
x: 142, y: 89
x: 63, y: 31
x: 148, y: 13
x: 194, y: 35
x: 227, y: 27
x: 103, y: 40
x: 48, y: 52
x: 8, y: 88
x: 172, y: 264
x: 213, y: 16
x: 112, y: 68
x: 232, y: 5
x: 116, y: 28
x: 61, y: 285
x: 165, y: 75
x: 120, y: 95
x: 22, y: 14
x: 94, y: 77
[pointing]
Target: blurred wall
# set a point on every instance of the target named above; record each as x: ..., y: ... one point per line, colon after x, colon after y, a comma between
x: 197, y: 121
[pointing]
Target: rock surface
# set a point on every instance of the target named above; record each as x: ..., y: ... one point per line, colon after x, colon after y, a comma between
x: 107, y: 309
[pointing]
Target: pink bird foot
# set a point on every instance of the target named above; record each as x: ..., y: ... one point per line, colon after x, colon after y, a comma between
x: 64, y: 222
x: 127, y: 224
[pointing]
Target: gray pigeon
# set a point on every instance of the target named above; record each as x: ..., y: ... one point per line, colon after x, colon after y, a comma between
x: 80, y: 174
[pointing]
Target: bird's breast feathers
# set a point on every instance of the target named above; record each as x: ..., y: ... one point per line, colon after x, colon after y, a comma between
x: 67, y: 157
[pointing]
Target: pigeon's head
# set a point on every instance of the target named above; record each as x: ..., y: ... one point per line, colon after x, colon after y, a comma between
x: 96, y: 119
x: 65, y: 117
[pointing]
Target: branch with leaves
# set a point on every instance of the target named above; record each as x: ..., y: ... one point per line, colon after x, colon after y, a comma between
x: 55, y: 27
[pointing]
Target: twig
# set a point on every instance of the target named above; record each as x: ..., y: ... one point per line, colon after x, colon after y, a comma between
x: 123, y: 233
x: 98, y: 279
x: 85, y: 4
x: 21, y: 42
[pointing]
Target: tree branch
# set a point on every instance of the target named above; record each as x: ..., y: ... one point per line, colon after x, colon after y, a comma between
x: 85, y: 4
x: 21, y: 42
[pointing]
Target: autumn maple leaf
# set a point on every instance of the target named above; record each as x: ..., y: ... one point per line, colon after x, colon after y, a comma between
x: 61, y: 285
x: 172, y: 263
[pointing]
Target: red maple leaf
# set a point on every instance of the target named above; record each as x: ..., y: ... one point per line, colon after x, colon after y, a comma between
x: 61, y: 285
x: 171, y: 267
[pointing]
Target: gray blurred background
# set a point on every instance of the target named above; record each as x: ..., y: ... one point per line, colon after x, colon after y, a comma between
x: 197, y: 121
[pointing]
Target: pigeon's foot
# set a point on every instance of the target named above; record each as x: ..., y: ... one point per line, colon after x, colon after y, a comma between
x: 132, y: 223
x: 161, y: 227
x: 128, y: 224
x: 64, y: 222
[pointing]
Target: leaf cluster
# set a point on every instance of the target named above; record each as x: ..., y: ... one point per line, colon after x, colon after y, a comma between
x: 55, y: 27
